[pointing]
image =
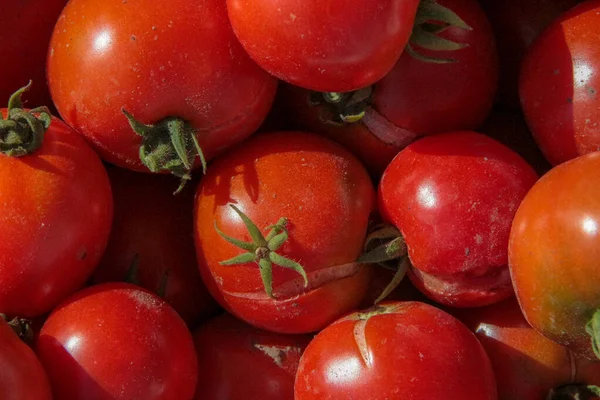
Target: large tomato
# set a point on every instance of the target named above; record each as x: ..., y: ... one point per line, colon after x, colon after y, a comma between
x: 329, y: 46
x: 239, y: 362
x: 398, y: 350
x: 117, y: 341
x: 453, y: 197
x: 176, y: 65
x: 326, y: 197
x: 22, y: 377
x: 55, y: 213
x: 559, y: 85
x: 554, y: 253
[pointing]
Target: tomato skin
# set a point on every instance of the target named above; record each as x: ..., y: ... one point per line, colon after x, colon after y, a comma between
x: 453, y: 196
x: 330, y: 46
x: 554, y: 250
x: 155, y: 227
x: 240, y: 362
x: 416, y: 351
x: 56, y: 216
x: 559, y: 83
x: 22, y: 377
x: 327, y: 197
x: 29, y: 25
x: 117, y: 341
x: 108, y: 55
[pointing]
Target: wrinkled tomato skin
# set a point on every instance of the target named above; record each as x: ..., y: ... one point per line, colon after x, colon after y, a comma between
x: 327, y: 46
x: 559, y: 85
x: 414, y: 351
x: 327, y: 197
x: 55, y: 214
x: 428, y: 98
x: 155, y: 60
x: 453, y: 196
x: 554, y: 252
x: 153, y: 228
x: 27, y: 26
x: 240, y: 362
x: 117, y: 341
x: 22, y: 376
x: 527, y: 365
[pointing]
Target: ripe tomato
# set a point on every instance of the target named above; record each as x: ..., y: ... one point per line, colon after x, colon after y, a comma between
x: 527, y: 365
x: 398, y: 350
x: 55, y: 214
x: 240, y: 362
x: 453, y: 197
x: 117, y: 341
x: 22, y: 377
x: 152, y: 232
x: 178, y: 59
x: 554, y: 252
x: 328, y: 46
x: 559, y: 85
x: 26, y: 27
x: 326, y: 196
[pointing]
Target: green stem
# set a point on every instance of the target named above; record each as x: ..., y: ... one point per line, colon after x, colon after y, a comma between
x: 593, y: 329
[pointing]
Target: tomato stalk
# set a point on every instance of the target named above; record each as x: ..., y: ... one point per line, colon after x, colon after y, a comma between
x: 574, y: 392
x: 593, y: 329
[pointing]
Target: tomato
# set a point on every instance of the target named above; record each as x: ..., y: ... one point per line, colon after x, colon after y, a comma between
x: 554, y: 252
x: 331, y: 46
x: 399, y: 350
x: 175, y: 65
x: 240, y: 362
x: 516, y: 24
x: 453, y: 197
x: 559, y: 85
x: 326, y: 197
x: 152, y: 233
x: 117, y: 341
x: 22, y: 377
x: 527, y: 365
x: 26, y: 27
x: 55, y: 214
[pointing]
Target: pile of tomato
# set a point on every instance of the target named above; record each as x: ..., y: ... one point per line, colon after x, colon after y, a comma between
x: 300, y: 199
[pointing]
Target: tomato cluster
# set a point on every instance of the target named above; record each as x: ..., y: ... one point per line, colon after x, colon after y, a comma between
x: 300, y: 199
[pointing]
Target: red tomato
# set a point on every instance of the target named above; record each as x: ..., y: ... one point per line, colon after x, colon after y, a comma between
x: 153, y: 229
x: 559, y: 85
x: 554, y: 252
x: 26, y: 26
x: 399, y: 350
x: 55, y: 214
x: 527, y: 365
x: 328, y: 46
x: 117, y: 341
x: 22, y: 377
x: 155, y: 60
x: 453, y: 197
x: 326, y: 196
x: 240, y: 362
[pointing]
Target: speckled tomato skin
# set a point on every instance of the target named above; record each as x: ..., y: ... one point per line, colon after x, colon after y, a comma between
x: 117, y: 341
x: 453, y: 196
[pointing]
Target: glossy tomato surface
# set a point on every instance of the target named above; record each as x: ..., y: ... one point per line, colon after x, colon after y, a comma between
x: 399, y: 350
x: 156, y: 60
x: 554, y: 252
x: 239, y: 362
x: 55, y: 214
x: 328, y: 46
x: 117, y: 341
x: 559, y: 85
x: 453, y: 197
x: 22, y: 376
x: 326, y: 196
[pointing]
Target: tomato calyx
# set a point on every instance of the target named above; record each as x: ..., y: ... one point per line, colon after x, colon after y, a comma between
x: 169, y: 145
x: 593, y: 329
x: 22, y: 132
x: 21, y: 327
x: 574, y: 392
x: 262, y: 250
